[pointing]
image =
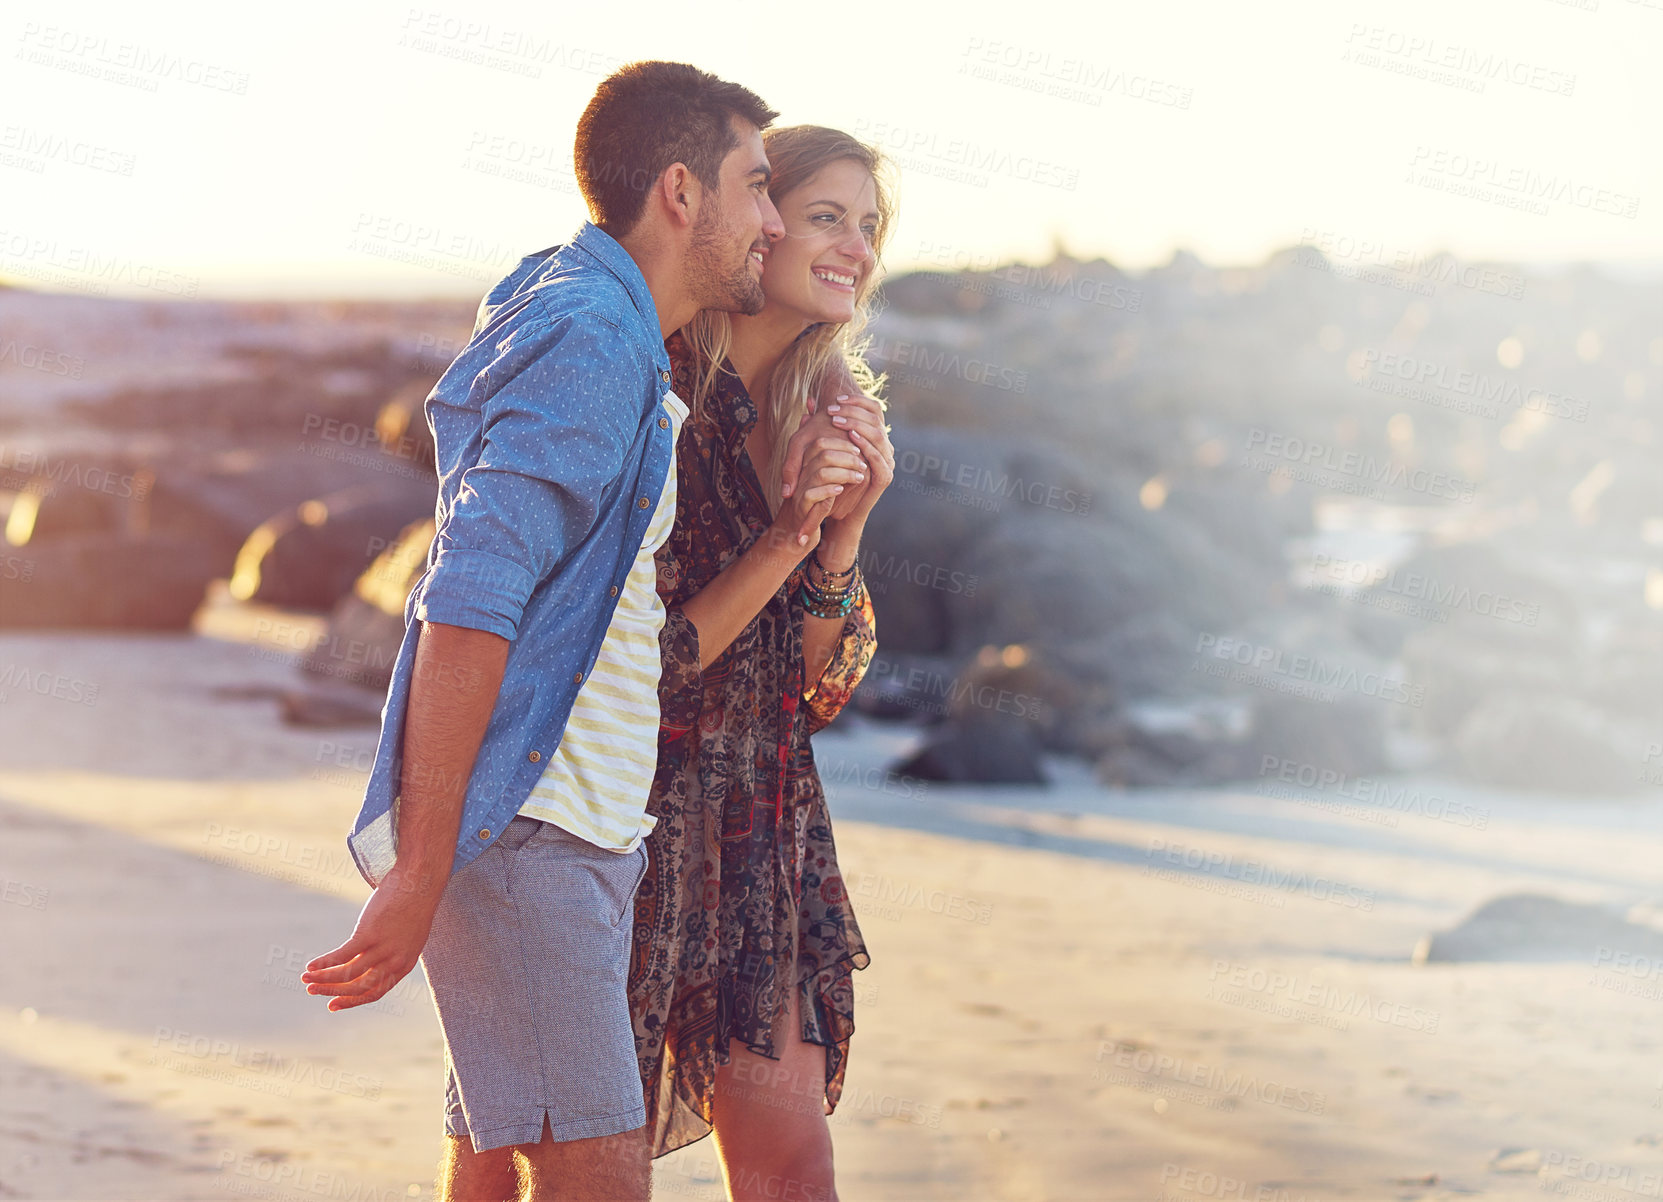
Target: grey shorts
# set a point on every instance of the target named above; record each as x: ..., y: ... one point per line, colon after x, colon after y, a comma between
x: 528, y: 960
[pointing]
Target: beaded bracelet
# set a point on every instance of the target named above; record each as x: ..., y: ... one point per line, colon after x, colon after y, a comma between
x: 839, y: 609
x: 822, y: 602
x: 826, y: 573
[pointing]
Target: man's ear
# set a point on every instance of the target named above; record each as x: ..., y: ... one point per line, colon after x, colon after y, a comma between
x: 680, y: 193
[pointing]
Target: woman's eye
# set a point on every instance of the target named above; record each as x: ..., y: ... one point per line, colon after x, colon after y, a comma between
x: 831, y: 217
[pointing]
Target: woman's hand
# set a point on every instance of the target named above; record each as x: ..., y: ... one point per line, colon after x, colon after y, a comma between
x: 831, y: 465
x: 861, y: 418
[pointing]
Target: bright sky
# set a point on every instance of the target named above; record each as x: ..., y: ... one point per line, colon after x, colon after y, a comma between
x: 360, y: 147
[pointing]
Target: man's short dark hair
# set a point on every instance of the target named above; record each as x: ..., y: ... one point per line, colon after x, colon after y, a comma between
x: 644, y: 117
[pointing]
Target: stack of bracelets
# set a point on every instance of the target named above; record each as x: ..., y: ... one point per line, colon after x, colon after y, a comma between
x: 835, y: 595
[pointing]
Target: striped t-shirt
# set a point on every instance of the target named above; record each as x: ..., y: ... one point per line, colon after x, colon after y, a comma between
x: 598, y: 779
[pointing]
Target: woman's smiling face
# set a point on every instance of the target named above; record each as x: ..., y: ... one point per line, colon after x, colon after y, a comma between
x: 818, y: 268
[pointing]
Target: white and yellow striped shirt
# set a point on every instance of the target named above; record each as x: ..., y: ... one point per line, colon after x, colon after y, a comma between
x: 598, y: 779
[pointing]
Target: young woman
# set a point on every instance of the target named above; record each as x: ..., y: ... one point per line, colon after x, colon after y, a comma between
x: 744, y: 938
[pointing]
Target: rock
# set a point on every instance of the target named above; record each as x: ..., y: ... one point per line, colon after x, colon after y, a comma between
x: 1549, y: 742
x: 366, y: 626
x: 1468, y: 590
x: 999, y: 711
x: 1516, y: 1160
x: 105, y: 580
x: 401, y: 427
x: 905, y: 685
x: 919, y: 533
x: 76, y: 494
x: 1534, y: 928
x: 221, y: 498
x: 982, y: 749
x: 309, y: 557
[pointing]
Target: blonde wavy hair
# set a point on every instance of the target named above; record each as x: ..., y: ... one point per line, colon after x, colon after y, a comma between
x: 796, y: 153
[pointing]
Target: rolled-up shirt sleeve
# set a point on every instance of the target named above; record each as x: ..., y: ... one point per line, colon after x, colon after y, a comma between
x: 557, y: 421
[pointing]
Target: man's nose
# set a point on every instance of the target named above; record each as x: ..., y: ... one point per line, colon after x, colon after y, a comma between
x: 772, y: 227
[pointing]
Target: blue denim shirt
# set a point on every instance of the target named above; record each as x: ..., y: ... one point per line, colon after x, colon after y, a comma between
x: 552, y: 456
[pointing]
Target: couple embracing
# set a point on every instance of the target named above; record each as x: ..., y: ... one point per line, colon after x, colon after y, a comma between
x: 594, y: 814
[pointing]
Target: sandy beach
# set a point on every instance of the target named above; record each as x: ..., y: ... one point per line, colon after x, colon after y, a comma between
x: 1076, y: 992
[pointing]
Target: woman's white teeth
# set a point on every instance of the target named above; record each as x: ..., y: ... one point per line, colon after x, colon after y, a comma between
x: 836, y: 277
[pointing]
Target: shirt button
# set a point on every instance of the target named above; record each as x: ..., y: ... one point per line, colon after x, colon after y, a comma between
x: 665, y: 376
x: 577, y: 677
x: 535, y: 756
x: 663, y: 423
x: 485, y: 832
x: 642, y: 503
x: 613, y: 591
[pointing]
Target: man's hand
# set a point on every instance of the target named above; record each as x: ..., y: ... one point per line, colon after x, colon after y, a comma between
x: 385, y: 945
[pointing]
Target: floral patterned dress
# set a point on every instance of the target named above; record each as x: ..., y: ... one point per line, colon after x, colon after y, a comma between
x: 742, y: 898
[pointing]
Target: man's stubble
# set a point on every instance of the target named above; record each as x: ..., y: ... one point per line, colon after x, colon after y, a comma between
x: 710, y: 278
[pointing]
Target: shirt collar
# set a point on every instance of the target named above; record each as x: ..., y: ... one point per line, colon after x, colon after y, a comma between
x: 606, y: 250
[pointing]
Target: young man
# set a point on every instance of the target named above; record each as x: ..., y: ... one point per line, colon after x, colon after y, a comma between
x: 503, y: 823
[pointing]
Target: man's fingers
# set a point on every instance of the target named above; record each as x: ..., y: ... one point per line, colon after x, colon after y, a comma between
x: 335, y: 960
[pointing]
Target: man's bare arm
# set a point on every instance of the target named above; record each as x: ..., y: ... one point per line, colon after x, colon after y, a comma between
x: 453, y: 691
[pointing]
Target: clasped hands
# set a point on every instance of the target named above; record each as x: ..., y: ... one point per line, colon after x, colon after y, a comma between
x: 836, y: 466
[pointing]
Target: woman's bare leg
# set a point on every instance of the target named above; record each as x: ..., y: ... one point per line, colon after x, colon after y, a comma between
x: 770, y: 1120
